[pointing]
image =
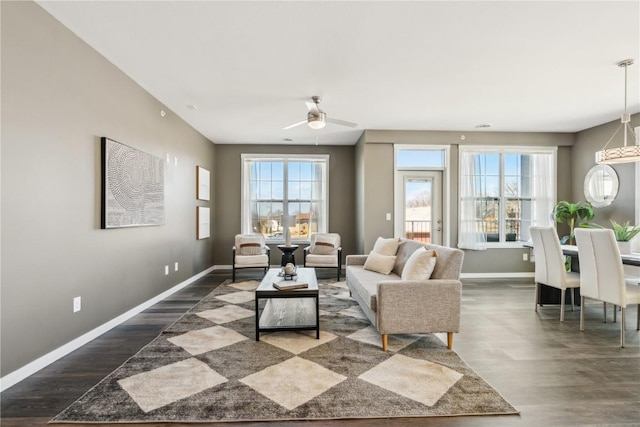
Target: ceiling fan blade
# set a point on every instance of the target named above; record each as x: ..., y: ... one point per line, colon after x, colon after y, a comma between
x: 341, y: 122
x: 312, y: 107
x: 294, y: 125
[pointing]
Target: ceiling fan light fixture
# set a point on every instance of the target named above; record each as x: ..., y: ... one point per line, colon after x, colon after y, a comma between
x: 626, y: 153
x: 317, y: 121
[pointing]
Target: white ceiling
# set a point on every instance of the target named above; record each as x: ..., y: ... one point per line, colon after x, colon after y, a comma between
x: 250, y: 66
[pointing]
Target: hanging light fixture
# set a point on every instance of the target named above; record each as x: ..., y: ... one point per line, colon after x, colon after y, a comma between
x: 626, y: 153
x: 316, y: 120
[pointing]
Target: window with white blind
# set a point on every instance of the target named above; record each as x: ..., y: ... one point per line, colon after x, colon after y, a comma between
x: 277, y: 185
x: 504, y: 191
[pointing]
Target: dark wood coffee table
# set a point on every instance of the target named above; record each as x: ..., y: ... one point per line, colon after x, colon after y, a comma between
x: 290, y: 310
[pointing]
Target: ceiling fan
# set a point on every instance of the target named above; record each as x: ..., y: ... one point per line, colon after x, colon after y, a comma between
x: 317, y: 119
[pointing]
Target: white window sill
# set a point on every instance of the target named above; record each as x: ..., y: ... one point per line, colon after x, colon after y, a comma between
x: 505, y: 245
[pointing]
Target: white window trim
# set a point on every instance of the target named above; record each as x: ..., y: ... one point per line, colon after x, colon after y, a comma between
x: 524, y: 149
x: 244, y: 226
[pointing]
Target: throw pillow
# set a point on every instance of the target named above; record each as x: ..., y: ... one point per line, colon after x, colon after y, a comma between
x: 420, y: 265
x: 324, y: 245
x: 379, y: 263
x: 386, y: 246
x: 250, y: 245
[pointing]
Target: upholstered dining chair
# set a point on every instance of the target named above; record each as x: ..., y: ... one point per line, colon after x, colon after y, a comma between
x: 250, y: 251
x: 602, y: 275
x: 549, y: 266
x: 324, y: 251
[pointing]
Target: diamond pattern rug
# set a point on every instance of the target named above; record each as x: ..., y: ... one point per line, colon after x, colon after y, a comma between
x: 208, y: 367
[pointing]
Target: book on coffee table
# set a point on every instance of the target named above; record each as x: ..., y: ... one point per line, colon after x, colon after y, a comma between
x: 282, y: 286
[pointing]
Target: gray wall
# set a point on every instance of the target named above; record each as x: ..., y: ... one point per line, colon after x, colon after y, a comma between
x: 588, y: 142
x: 59, y: 97
x: 229, y: 194
x: 375, y: 162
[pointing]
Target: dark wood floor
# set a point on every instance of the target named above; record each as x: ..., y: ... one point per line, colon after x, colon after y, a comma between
x: 554, y: 374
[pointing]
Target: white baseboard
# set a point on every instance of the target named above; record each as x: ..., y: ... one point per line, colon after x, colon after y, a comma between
x: 44, y: 361
x: 229, y: 267
x: 513, y: 275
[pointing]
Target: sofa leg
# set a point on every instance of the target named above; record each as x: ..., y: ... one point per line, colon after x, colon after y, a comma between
x: 384, y: 342
x: 449, y: 340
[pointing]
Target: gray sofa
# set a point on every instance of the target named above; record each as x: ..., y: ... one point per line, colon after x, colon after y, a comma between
x: 395, y: 306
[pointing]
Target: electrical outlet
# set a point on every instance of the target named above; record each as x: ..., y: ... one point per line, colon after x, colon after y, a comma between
x: 166, y: 270
x: 176, y: 266
x: 388, y: 217
x: 77, y: 304
x: 525, y: 256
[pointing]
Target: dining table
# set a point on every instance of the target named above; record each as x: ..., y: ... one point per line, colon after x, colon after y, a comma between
x: 550, y: 295
x: 572, y: 251
x: 628, y: 259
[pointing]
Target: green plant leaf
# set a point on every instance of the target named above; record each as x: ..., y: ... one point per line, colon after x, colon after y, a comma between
x: 572, y: 213
x: 625, y: 232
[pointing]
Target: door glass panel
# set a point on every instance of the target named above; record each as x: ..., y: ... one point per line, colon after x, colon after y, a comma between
x: 418, y: 215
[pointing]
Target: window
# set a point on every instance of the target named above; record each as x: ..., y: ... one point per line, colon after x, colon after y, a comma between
x: 279, y: 185
x: 419, y: 158
x: 503, y: 193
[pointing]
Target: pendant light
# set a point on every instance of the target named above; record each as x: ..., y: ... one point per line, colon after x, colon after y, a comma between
x: 626, y: 153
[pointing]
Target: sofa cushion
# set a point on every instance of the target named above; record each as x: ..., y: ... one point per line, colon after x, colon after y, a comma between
x: 405, y: 250
x: 420, y: 265
x: 449, y: 262
x: 382, y: 264
x: 324, y: 245
x: 252, y: 261
x: 365, y: 284
x: 312, y: 260
x: 387, y: 247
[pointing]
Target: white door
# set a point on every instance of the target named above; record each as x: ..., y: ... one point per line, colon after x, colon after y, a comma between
x: 419, y: 206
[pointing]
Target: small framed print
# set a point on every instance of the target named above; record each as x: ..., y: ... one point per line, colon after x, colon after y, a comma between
x: 202, y: 183
x: 203, y: 220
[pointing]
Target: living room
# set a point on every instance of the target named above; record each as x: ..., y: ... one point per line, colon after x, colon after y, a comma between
x: 60, y: 96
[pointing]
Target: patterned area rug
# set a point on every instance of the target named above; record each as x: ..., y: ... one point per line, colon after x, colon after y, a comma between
x: 208, y: 367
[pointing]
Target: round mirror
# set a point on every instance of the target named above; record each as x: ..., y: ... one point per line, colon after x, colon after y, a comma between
x: 601, y: 185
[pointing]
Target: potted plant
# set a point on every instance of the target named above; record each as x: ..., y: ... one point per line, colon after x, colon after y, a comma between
x: 573, y: 214
x: 624, y: 233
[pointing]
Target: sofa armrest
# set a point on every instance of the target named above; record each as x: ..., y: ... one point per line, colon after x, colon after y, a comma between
x: 356, y: 260
x: 419, y: 306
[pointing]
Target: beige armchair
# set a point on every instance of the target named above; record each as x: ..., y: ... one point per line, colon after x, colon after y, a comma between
x: 324, y: 251
x: 250, y: 251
